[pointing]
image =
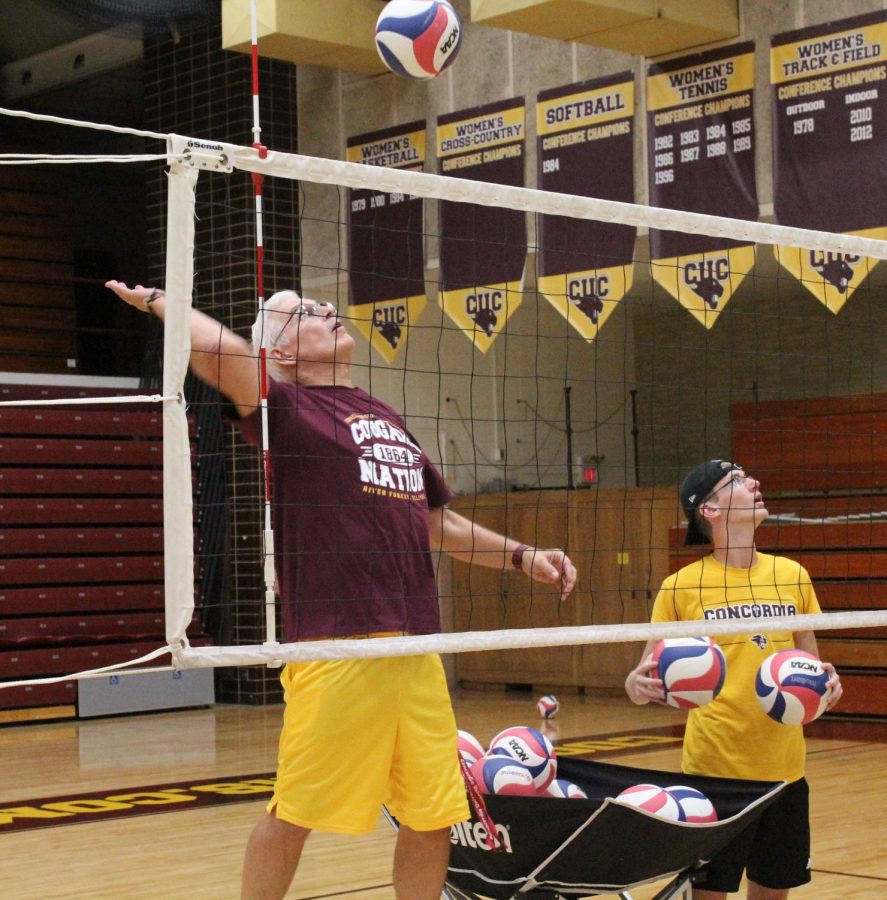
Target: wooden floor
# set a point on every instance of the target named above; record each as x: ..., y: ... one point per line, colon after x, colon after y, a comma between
x: 197, y: 854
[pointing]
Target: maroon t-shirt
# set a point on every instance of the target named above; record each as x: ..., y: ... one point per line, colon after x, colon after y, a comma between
x: 350, y: 496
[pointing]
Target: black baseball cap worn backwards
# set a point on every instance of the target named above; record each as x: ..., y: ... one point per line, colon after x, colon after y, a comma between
x: 695, y: 489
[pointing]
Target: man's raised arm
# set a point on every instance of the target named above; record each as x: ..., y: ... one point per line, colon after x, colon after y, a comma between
x: 219, y: 357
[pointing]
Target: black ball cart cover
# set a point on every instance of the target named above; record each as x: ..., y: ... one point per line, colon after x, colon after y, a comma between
x: 596, y: 846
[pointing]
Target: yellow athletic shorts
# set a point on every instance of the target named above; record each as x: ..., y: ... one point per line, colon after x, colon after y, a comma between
x: 358, y: 733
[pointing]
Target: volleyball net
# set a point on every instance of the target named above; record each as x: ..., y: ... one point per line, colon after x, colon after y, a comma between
x: 560, y: 435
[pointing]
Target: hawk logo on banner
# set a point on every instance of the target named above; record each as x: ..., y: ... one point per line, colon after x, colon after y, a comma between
x: 585, y: 147
x: 830, y: 277
x: 481, y: 312
x: 587, y: 299
x: 482, y: 249
x: 829, y: 146
x: 701, y: 159
x: 390, y: 321
x: 387, y: 283
x: 703, y: 284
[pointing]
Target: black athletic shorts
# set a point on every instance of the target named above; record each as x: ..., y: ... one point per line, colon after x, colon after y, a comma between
x: 774, y: 851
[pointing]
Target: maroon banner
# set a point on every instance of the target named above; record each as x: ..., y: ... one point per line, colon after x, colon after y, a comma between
x: 701, y: 159
x: 830, y: 145
x: 385, y: 235
x: 483, y: 249
x: 585, y: 147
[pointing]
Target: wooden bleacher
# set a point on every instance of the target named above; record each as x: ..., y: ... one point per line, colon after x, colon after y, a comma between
x: 821, y: 463
x: 37, y: 310
x: 81, y: 543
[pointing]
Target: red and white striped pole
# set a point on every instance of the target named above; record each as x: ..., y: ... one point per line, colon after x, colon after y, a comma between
x: 268, y: 532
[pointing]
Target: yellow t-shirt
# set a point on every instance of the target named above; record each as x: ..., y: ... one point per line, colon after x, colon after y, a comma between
x: 731, y: 736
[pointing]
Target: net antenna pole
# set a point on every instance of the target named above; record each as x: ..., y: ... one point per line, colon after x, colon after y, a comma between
x: 268, y: 531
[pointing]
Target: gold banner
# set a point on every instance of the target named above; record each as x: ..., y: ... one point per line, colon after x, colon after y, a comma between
x: 587, y: 299
x: 405, y: 150
x: 481, y: 132
x: 703, y: 283
x: 830, y: 53
x: 830, y: 277
x: 482, y: 312
x: 588, y: 108
x: 702, y: 84
x: 386, y: 324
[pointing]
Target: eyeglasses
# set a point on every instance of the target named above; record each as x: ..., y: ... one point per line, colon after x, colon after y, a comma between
x: 321, y: 308
x: 735, y: 481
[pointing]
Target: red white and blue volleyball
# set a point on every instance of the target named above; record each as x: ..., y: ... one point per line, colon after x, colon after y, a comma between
x: 791, y: 687
x: 565, y: 790
x: 548, y: 706
x: 470, y: 748
x: 652, y: 799
x: 692, y: 670
x: 502, y: 775
x: 418, y: 38
x: 695, y: 806
x: 531, y: 749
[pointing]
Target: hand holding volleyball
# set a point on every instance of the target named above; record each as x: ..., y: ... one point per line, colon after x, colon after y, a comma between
x: 692, y: 670
x: 418, y: 38
x: 792, y: 687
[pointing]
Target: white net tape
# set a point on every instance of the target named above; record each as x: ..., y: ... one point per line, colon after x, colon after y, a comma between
x: 514, y: 638
x: 442, y: 187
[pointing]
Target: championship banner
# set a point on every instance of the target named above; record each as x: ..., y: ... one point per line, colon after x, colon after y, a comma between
x: 483, y: 249
x: 585, y: 147
x: 385, y: 234
x: 830, y: 146
x: 702, y: 159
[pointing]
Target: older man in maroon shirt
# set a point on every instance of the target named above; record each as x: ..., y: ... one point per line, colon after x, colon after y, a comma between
x: 358, y: 510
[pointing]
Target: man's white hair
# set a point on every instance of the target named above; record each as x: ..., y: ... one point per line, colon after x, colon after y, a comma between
x: 267, y: 328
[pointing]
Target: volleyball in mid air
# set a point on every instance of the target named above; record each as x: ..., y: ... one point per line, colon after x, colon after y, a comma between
x: 692, y: 670
x: 791, y: 687
x: 418, y: 38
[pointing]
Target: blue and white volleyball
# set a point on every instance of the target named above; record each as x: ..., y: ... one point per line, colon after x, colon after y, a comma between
x: 564, y: 790
x: 470, y: 748
x: 502, y: 775
x: 548, y: 706
x: 695, y: 806
x: 418, y: 38
x: 531, y: 749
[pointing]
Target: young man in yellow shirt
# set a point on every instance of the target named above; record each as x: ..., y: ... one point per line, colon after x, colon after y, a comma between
x: 731, y: 737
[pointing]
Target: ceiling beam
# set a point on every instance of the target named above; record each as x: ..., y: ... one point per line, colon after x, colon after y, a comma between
x: 71, y: 63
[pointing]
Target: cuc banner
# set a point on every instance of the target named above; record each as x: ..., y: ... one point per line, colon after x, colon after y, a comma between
x: 701, y: 159
x: 483, y: 249
x: 829, y: 87
x: 385, y: 232
x: 585, y: 147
